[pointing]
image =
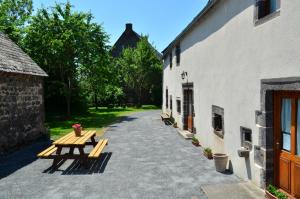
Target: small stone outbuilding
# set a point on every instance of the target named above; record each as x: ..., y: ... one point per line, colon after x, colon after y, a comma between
x: 22, y: 112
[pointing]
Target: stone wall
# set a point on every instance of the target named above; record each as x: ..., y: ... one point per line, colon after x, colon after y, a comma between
x: 21, y: 110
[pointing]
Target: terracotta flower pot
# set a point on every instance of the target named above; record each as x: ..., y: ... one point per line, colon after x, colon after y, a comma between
x: 269, y: 195
x: 196, y: 143
x: 220, y: 161
x: 208, y: 155
x: 78, y: 131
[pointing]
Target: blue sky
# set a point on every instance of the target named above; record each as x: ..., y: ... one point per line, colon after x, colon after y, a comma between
x: 162, y: 20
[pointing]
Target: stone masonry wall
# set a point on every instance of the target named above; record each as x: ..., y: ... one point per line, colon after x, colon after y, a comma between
x: 21, y: 109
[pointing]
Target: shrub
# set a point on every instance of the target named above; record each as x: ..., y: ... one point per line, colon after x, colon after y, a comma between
x: 194, y: 139
x: 208, y: 150
x: 274, y: 191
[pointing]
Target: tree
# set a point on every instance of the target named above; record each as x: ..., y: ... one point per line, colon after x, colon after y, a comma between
x: 68, y: 46
x: 14, y: 14
x: 141, y: 69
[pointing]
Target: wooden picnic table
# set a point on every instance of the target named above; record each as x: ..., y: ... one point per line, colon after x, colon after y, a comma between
x: 71, y: 141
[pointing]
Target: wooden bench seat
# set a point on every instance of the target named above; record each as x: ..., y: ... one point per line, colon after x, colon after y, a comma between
x: 95, y: 153
x: 47, y: 152
x: 165, y: 116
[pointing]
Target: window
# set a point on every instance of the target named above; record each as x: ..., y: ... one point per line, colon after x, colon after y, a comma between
x: 266, y: 7
x: 178, y: 105
x: 171, y: 103
x: 178, y: 51
x: 246, y: 137
x: 218, y: 120
x: 170, y: 60
x: 167, y: 98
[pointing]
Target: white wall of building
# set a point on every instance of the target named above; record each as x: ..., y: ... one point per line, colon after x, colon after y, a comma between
x: 226, y: 55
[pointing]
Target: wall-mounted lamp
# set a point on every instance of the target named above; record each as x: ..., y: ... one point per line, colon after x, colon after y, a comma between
x: 183, y: 75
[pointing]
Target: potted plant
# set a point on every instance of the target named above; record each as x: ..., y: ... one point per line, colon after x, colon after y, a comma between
x: 175, y: 125
x: 207, y: 152
x: 273, y: 193
x: 221, y: 160
x: 195, y: 141
x: 77, y: 129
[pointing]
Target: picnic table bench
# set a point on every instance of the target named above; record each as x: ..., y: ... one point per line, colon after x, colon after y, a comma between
x: 165, y: 116
x: 71, y: 141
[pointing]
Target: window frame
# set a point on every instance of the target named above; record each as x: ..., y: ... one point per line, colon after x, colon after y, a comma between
x: 178, y: 106
x: 178, y: 54
x: 167, y: 98
x: 216, y: 110
x: 171, y: 60
x: 260, y: 20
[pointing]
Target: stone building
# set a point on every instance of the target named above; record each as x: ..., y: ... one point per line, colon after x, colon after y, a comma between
x: 128, y: 39
x: 21, y: 96
x: 232, y: 78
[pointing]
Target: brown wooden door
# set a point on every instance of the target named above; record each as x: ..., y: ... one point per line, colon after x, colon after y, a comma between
x: 287, y: 141
x: 188, y: 105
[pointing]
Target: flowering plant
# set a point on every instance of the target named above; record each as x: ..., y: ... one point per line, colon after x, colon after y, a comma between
x: 77, y: 129
x: 76, y: 126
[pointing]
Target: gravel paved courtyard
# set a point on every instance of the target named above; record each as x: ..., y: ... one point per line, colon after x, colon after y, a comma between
x: 144, y: 159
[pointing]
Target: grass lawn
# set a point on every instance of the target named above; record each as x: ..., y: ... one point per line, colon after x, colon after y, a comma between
x: 93, y: 119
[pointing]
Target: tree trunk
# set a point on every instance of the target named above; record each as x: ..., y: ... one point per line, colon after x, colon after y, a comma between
x: 68, y: 98
x: 139, y: 97
x: 95, y: 100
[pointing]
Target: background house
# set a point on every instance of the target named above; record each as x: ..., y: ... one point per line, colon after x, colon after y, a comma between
x: 232, y: 77
x: 130, y: 39
x: 21, y: 96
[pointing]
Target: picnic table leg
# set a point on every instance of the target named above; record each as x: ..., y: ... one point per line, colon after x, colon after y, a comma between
x: 83, y: 159
x: 71, y: 151
x: 57, y: 158
x: 93, y: 140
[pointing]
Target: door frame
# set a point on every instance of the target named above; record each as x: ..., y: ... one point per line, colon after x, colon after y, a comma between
x: 190, y: 87
x: 278, y: 152
x: 264, y: 118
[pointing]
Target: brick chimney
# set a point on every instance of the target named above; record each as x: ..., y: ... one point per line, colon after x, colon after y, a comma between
x: 128, y: 27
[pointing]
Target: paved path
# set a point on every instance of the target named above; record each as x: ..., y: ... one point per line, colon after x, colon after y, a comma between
x: 144, y: 159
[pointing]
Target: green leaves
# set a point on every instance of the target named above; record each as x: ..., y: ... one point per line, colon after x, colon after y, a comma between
x: 14, y: 14
x: 70, y: 48
x: 141, y: 69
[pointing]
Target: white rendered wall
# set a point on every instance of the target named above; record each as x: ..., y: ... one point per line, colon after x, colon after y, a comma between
x: 226, y: 56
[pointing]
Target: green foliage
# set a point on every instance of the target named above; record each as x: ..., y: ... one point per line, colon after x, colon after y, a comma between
x: 208, y: 150
x: 14, y: 14
x: 194, y: 139
x: 70, y: 48
x: 141, y: 70
x: 274, y: 191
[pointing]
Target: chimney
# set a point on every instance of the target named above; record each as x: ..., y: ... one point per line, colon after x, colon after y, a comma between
x: 128, y: 27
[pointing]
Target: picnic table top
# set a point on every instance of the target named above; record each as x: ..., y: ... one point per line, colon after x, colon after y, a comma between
x: 72, y: 139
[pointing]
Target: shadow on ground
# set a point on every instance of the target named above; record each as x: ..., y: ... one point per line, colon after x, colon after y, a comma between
x: 11, y: 162
x: 94, y: 166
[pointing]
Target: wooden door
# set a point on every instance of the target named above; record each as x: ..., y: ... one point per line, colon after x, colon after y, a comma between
x: 287, y: 141
x: 188, y: 110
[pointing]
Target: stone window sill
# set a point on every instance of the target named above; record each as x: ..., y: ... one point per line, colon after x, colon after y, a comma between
x: 219, y: 133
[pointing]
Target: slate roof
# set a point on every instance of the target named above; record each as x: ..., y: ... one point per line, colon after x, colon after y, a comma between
x: 129, y: 38
x: 14, y: 60
x: 190, y: 26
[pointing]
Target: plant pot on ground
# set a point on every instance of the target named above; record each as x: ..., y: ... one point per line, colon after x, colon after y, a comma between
x: 207, y: 152
x: 195, y: 141
x: 220, y: 162
x: 175, y: 125
x: 273, y: 193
